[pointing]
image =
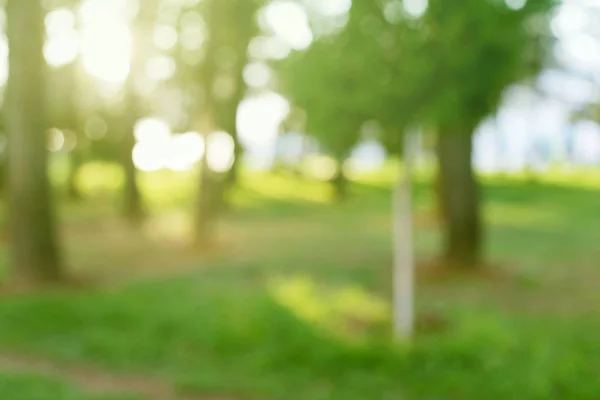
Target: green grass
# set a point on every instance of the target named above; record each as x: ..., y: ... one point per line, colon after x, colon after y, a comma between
x: 15, y: 386
x: 295, y: 305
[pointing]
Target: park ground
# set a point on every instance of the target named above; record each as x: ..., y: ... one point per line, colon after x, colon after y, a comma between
x: 293, y: 303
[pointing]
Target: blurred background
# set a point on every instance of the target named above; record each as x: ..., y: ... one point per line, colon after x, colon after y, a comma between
x: 214, y: 197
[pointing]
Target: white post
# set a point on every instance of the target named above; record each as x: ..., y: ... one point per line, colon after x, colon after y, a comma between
x: 403, y: 280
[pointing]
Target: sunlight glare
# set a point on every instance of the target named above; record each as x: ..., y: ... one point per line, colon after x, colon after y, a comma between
x: 185, y: 151
x: 106, y: 40
x: 165, y: 37
x: 62, y: 45
x: 56, y: 140
x: 580, y: 51
x: 149, y: 156
x: 259, y: 118
x: 331, y: 8
x: 257, y: 74
x: 516, y: 4
x: 3, y: 60
x: 60, y: 20
x: 569, y: 20
x: 61, y: 49
x: 289, y: 21
x: 157, y: 148
x: 220, y: 152
x: 264, y: 47
x: 152, y: 130
x: 415, y: 8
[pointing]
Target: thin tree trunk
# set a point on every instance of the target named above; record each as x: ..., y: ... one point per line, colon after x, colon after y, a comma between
x: 210, y: 202
x: 34, y: 245
x: 133, y: 209
x: 460, y: 197
x: 403, y: 279
x: 230, y: 125
x: 75, y: 162
x: 232, y: 129
x: 3, y: 173
x: 439, y: 197
x: 76, y: 124
x: 340, y: 183
x: 132, y: 200
x: 206, y: 212
x: 236, y: 100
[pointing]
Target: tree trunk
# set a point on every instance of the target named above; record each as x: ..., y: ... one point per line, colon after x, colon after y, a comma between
x: 230, y: 126
x: 210, y: 203
x: 75, y: 122
x: 3, y: 173
x: 441, y: 207
x: 238, y: 152
x: 460, y: 199
x: 403, y: 278
x: 133, y: 209
x: 75, y: 162
x: 235, y: 101
x: 132, y: 200
x: 34, y: 246
x: 340, y: 184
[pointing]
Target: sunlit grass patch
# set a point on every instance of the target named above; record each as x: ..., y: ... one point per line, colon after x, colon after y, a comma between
x: 343, y: 311
x: 283, y: 187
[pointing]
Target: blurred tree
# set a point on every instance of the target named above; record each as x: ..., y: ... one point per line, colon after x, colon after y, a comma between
x: 230, y: 26
x: 35, y: 253
x: 474, y: 51
x: 335, y: 127
x: 64, y: 114
x: 327, y: 81
x: 132, y: 108
x: 444, y: 70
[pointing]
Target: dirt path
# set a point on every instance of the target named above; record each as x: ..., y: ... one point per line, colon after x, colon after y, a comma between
x: 97, y: 382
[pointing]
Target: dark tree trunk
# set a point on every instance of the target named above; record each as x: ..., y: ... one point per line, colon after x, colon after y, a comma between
x: 222, y: 111
x: 3, y: 172
x: 231, y: 120
x: 206, y: 211
x: 340, y: 184
x: 76, y: 124
x: 75, y: 162
x: 133, y: 208
x: 132, y: 200
x: 439, y: 197
x: 460, y: 200
x: 209, y: 207
x: 234, y: 173
x: 232, y: 176
x: 231, y: 127
x: 34, y: 245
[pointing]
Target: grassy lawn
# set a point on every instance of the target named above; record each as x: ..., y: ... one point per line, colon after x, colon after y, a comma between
x: 15, y: 386
x: 294, y: 306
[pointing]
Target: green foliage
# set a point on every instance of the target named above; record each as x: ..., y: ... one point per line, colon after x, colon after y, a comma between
x: 447, y: 68
x: 474, y: 51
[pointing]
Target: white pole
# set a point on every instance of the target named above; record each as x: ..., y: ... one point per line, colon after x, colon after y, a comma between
x: 403, y: 280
